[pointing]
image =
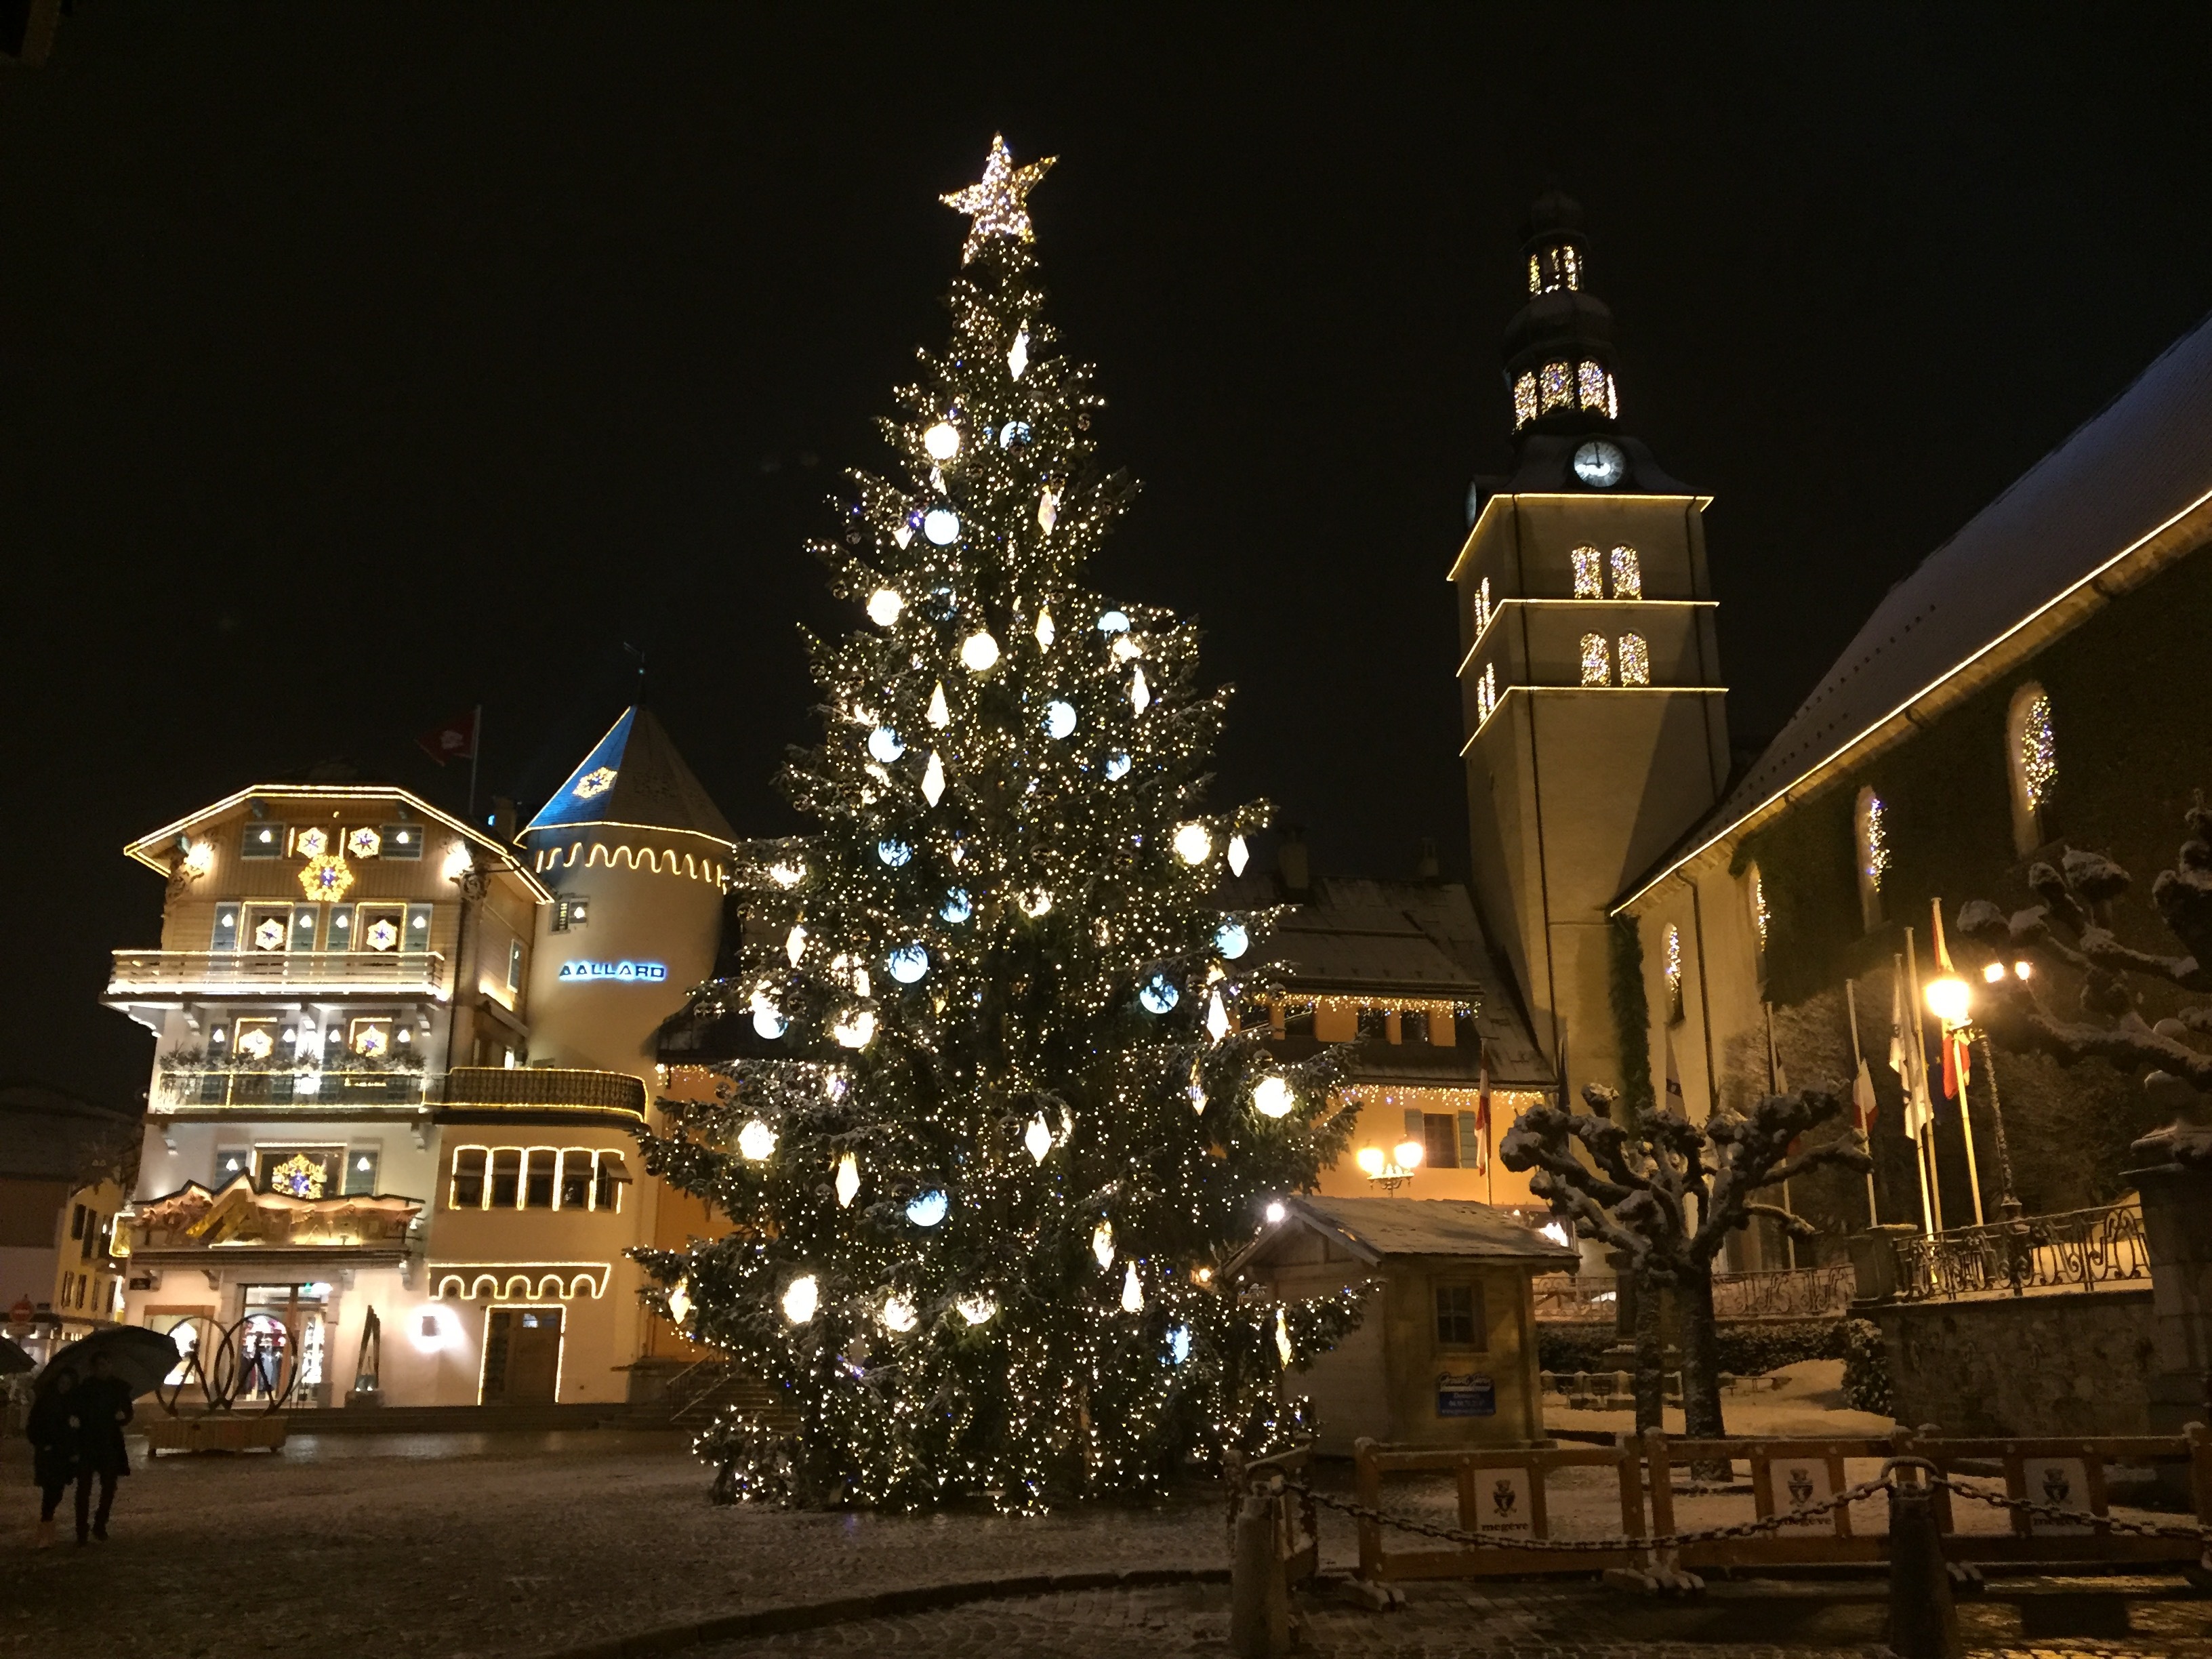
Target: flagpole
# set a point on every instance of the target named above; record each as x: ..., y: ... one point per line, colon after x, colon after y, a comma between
x: 1957, y: 1065
x: 1859, y: 1078
x: 476, y: 748
x: 1920, y: 1074
x: 1904, y: 1076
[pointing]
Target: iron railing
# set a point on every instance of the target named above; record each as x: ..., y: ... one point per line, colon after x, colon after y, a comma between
x: 2098, y: 1249
x: 245, y: 973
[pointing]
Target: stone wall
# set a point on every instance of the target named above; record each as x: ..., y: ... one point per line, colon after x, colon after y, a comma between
x: 2065, y: 1363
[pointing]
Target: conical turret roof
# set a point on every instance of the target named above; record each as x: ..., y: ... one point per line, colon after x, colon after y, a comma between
x: 635, y: 777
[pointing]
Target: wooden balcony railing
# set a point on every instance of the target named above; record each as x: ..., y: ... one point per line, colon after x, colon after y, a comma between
x: 245, y: 973
x: 466, y: 1088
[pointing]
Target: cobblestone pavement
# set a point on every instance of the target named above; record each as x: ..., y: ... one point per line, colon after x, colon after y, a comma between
x: 1532, y: 1620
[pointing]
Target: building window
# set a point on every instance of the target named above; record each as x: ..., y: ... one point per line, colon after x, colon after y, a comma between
x: 361, y: 1170
x: 303, y: 927
x: 537, y: 1180
x: 1440, y: 1140
x: 576, y: 1179
x: 76, y: 1222
x: 230, y: 1163
x: 1635, y: 661
x: 609, y: 1176
x: 1524, y: 401
x: 226, y: 928
x: 1674, y: 971
x: 1414, y: 1026
x: 307, y: 1172
x: 1597, y: 660
x: 1627, y: 573
x: 1555, y: 387
x: 1371, y: 1024
x: 573, y: 912
x: 1459, y: 1316
x: 2031, y: 751
x: 403, y: 841
x: 507, y: 1178
x: 262, y: 841
x: 1589, y: 565
x: 380, y: 928
x: 1872, y: 830
x: 418, y: 928
x: 1591, y: 386
x: 515, y: 964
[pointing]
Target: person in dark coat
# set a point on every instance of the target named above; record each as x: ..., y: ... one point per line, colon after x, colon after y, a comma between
x: 53, y: 1435
x: 101, y: 1408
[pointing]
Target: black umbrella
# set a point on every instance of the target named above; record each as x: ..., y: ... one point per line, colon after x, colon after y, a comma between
x: 13, y: 1358
x: 140, y: 1357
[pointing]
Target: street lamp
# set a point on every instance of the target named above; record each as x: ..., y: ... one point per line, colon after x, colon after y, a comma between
x: 1951, y: 999
x: 1392, y: 1170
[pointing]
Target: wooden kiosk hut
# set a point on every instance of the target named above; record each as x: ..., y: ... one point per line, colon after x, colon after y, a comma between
x: 1446, y: 1355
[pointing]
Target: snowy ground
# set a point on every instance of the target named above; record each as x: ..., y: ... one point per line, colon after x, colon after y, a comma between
x: 1809, y: 1401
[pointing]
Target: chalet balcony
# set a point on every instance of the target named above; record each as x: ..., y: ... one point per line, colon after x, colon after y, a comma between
x: 161, y: 975
x: 307, y: 1090
x: 543, y: 1088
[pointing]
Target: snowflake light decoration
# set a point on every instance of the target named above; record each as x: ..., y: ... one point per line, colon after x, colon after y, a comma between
x: 364, y: 842
x: 326, y: 877
x: 380, y: 936
x: 270, y: 935
x: 298, y: 1176
x: 310, y: 843
x: 594, y: 783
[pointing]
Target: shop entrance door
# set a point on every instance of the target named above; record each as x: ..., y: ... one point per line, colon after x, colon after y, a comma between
x: 522, y: 1356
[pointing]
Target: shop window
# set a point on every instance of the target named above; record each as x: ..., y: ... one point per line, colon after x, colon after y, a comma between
x: 361, y: 1170
x: 1459, y: 1320
x: 576, y: 1179
x: 507, y: 1178
x: 609, y: 1178
x: 468, y: 1189
x: 2032, y: 758
x: 537, y: 1178
x: 262, y: 841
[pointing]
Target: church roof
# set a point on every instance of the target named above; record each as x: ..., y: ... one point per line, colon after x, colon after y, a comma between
x: 2124, y: 475
x: 634, y: 778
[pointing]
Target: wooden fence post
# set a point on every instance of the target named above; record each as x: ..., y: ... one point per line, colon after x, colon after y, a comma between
x: 1370, y: 1497
x: 1259, y: 1601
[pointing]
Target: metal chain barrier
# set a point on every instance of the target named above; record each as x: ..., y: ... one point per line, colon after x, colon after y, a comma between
x: 1746, y: 1528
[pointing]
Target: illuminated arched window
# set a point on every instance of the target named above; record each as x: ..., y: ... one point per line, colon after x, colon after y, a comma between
x: 1597, y: 660
x: 1485, y: 693
x: 1871, y: 830
x: 1482, y: 606
x: 1589, y: 572
x: 1524, y: 401
x: 1672, y: 963
x: 1555, y: 387
x: 1762, y: 919
x: 1593, y: 386
x: 1635, y: 661
x: 2032, y: 758
x: 1627, y: 574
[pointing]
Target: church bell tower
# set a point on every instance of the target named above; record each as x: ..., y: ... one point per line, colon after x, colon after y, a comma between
x: 1589, y: 678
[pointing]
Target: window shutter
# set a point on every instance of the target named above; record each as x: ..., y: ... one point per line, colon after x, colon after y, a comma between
x: 1413, y: 1129
x: 1471, y: 1148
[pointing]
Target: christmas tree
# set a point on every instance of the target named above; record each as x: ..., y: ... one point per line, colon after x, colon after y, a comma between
x: 999, y: 1125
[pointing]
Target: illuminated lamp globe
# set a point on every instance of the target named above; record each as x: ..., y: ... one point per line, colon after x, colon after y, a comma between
x: 1949, y: 998
x: 1272, y: 1097
x: 1276, y: 1212
x: 1409, y: 1154
x: 1370, y: 1160
x: 908, y: 964
x: 884, y: 606
x: 942, y: 525
x: 942, y: 442
x: 800, y: 1298
x: 1231, y: 940
x: 1994, y: 974
x: 927, y: 1209
x: 979, y: 653
x: 1157, y: 995
x: 1113, y: 621
x: 1117, y: 767
x: 884, y: 743
x: 1058, y: 718
x: 1192, y: 845
x: 756, y: 1142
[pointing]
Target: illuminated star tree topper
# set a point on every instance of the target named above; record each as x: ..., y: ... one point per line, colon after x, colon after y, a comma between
x: 998, y: 203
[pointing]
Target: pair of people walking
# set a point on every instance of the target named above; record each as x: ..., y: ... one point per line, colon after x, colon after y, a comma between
x: 76, y: 1432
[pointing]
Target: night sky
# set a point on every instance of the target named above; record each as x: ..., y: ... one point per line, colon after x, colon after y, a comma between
x: 361, y: 363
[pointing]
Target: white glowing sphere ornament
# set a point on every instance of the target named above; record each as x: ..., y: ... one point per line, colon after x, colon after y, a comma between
x: 1272, y: 1097
x: 884, y: 606
x: 1113, y: 621
x: 976, y: 1310
x: 927, y: 1209
x: 856, y: 1029
x: 756, y: 1142
x: 908, y: 964
x: 898, y: 1314
x: 1058, y: 718
x: 884, y: 743
x: 800, y: 1298
x: 768, y: 1019
x: 1231, y: 940
x: 979, y: 653
x: 942, y: 442
x: 1117, y: 767
x: 958, y: 907
x: 1192, y: 845
x: 942, y: 525
x: 1157, y: 995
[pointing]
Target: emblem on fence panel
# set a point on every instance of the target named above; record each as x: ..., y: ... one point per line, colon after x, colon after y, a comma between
x: 1502, y: 1502
x: 2064, y: 1481
x: 1800, y: 1485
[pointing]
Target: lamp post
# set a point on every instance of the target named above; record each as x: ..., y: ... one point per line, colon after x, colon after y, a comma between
x: 1392, y: 1170
x: 1951, y: 999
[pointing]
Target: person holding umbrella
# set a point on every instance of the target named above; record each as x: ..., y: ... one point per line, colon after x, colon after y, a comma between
x: 53, y: 1438
x: 99, y: 1405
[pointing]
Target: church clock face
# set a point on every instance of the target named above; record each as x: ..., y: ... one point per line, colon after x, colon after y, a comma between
x: 1601, y: 464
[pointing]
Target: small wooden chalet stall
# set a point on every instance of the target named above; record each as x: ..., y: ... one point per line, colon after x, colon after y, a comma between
x: 1446, y: 1355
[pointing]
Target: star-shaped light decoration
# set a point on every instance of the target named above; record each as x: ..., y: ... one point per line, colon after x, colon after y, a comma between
x: 997, y: 204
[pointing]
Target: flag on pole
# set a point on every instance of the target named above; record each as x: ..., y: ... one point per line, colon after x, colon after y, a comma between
x: 1863, y: 1106
x: 1957, y: 1064
x: 1676, y: 1101
x: 455, y: 740
x: 1482, y: 1111
x: 1897, y: 1063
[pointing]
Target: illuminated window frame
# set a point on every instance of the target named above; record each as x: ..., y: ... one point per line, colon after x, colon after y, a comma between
x: 1588, y: 567
x: 609, y: 1173
x: 1555, y: 387
x: 1597, y: 660
x: 1671, y: 961
x: 1626, y: 571
x: 1635, y: 661
x: 1872, y: 853
x: 1524, y: 401
x: 2032, y: 764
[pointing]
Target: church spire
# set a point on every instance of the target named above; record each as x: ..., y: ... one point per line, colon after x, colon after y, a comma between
x: 1558, y: 347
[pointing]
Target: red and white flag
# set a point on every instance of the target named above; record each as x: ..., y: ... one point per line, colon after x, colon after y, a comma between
x: 1957, y: 1064
x: 455, y: 740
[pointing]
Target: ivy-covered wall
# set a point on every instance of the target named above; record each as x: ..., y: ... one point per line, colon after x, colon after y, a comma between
x: 2133, y: 730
